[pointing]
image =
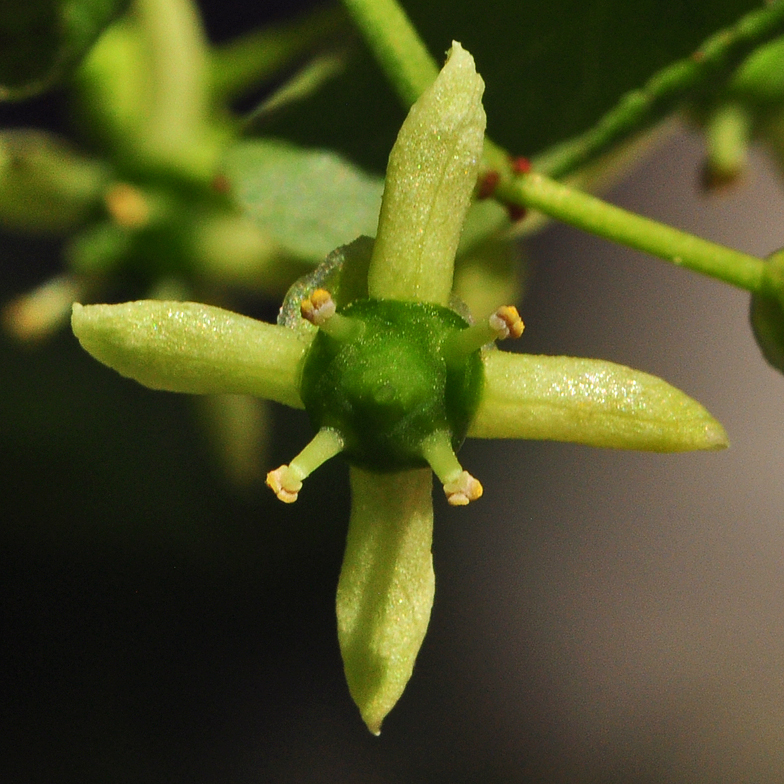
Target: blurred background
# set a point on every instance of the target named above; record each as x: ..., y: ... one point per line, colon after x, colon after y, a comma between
x: 600, y: 616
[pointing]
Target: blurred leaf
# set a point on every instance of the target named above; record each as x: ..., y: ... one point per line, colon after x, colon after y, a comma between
x: 40, y: 40
x: 310, y: 201
x: 46, y: 185
x: 767, y: 312
x: 760, y: 80
x: 767, y: 322
x: 551, y: 69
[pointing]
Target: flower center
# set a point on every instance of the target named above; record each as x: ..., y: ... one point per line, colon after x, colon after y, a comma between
x: 387, y: 384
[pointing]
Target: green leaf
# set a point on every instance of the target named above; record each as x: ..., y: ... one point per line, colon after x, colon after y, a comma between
x: 430, y: 177
x: 386, y: 586
x: 192, y: 348
x: 309, y: 201
x: 767, y: 322
x: 45, y: 185
x: 42, y: 40
x: 589, y: 401
x: 767, y: 312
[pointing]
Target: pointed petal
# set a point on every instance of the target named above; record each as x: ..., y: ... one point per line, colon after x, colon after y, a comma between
x: 589, y: 401
x: 189, y: 347
x: 386, y: 586
x: 430, y: 177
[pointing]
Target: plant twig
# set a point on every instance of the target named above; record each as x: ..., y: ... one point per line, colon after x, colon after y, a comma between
x: 635, y: 231
x: 396, y: 44
x: 641, y: 108
x: 410, y: 69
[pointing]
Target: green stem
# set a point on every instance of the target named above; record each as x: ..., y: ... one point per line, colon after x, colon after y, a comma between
x: 713, y: 61
x: 396, y: 44
x: 613, y: 223
x: 249, y: 60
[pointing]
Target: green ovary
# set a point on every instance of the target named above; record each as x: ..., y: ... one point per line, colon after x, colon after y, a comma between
x: 389, y: 388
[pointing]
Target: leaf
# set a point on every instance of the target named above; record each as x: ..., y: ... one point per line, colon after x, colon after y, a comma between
x: 589, y: 401
x: 309, y: 201
x: 192, y: 348
x: 767, y: 323
x: 386, y: 586
x: 767, y: 312
x: 45, y: 185
x: 42, y: 40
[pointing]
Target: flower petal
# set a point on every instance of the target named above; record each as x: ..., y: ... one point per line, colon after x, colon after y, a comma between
x: 589, y: 401
x: 189, y: 347
x: 430, y: 177
x: 386, y: 586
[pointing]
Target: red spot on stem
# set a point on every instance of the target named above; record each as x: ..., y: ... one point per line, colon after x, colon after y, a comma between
x: 221, y: 183
x: 487, y: 184
x: 521, y: 165
x: 515, y: 212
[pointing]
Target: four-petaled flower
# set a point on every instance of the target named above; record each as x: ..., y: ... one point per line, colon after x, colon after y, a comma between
x: 395, y: 378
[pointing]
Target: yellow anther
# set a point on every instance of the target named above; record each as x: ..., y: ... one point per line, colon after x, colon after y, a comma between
x: 318, y: 307
x: 285, y: 483
x: 463, y: 490
x: 127, y: 205
x: 506, y: 322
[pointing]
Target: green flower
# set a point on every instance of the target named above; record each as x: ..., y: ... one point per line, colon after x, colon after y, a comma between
x: 394, y: 378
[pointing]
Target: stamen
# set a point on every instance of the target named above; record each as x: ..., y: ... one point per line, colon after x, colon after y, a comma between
x: 507, y: 322
x: 319, y: 309
x: 504, y: 323
x: 286, y: 481
x: 463, y: 490
x: 459, y: 486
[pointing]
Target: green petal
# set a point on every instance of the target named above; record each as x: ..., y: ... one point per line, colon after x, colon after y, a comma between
x: 430, y: 177
x: 386, y: 586
x: 589, y: 401
x: 189, y: 347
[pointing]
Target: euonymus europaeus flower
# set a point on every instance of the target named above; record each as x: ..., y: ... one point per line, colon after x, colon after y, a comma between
x: 394, y: 377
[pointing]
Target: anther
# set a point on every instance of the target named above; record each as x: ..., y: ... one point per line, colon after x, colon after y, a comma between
x: 463, y: 490
x: 286, y: 481
x: 460, y: 487
x: 504, y: 323
x: 507, y: 322
x: 318, y: 307
x: 127, y: 205
x: 320, y: 310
